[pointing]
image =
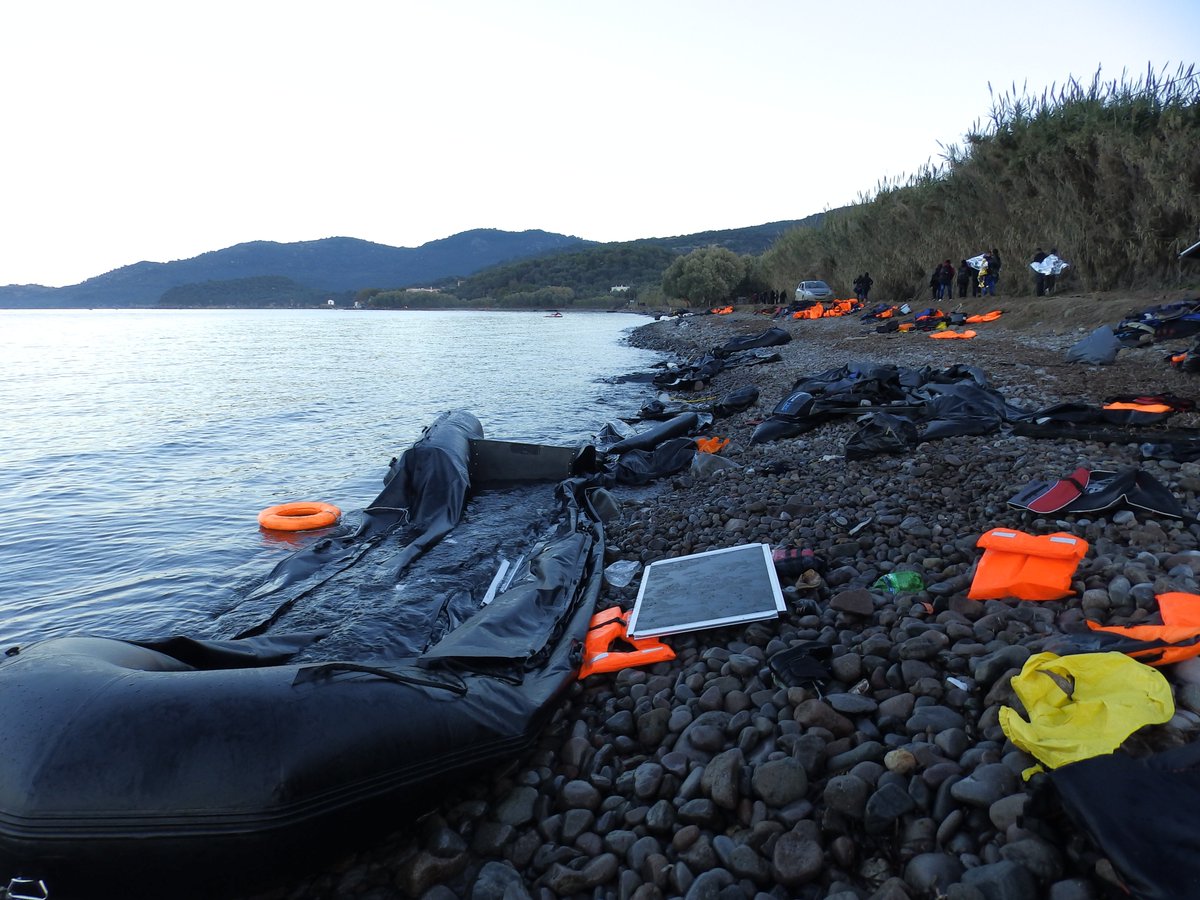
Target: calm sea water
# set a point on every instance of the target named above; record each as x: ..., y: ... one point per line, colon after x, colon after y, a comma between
x: 139, y: 446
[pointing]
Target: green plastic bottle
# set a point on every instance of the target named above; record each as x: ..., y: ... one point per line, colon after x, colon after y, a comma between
x: 900, y: 582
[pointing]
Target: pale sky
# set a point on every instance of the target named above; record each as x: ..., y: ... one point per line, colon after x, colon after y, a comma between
x: 155, y: 130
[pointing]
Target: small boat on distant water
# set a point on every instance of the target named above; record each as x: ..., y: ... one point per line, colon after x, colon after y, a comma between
x: 554, y: 314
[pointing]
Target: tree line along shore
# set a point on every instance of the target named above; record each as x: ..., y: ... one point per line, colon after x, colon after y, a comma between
x: 1103, y: 171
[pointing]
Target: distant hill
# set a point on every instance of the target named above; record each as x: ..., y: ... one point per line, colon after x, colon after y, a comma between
x: 275, y: 274
x: 592, y: 271
x: 589, y: 272
x: 259, y: 292
x: 336, y: 265
x: 753, y: 239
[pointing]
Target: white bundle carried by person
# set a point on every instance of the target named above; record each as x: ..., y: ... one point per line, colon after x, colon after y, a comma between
x: 1051, y: 265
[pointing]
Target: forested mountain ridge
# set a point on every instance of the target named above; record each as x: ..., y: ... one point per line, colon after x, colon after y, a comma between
x: 337, y: 265
x: 266, y: 273
x: 592, y: 271
x: 751, y: 240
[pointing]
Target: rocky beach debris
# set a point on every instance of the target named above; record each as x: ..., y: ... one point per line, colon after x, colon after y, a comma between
x: 706, y: 777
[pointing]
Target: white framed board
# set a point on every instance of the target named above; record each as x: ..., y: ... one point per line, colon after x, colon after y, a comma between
x: 707, y: 590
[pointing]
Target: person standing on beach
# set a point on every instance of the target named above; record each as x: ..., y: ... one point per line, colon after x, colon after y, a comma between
x: 1051, y: 276
x: 1039, y: 277
x: 964, y: 278
x: 994, y: 266
x: 946, y: 281
x: 985, y: 276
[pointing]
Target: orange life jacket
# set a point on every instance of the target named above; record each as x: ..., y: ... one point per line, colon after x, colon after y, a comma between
x: 952, y: 334
x: 1016, y: 564
x: 984, y: 317
x: 815, y: 311
x: 1176, y: 639
x: 608, y: 629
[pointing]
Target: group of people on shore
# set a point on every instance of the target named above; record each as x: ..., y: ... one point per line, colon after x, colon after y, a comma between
x: 980, y: 274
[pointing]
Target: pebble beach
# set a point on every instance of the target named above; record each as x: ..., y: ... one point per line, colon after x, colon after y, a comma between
x: 704, y: 777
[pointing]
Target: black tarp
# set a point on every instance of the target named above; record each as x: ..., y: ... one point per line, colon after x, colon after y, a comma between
x: 423, y: 498
x: 772, y: 337
x: 1142, y: 813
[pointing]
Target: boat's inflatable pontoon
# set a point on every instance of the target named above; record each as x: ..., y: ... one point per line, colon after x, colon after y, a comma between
x: 175, y: 766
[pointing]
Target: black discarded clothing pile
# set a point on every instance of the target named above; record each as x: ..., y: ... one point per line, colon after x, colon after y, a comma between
x: 772, y: 337
x: 1160, y: 323
x: 637, y: 467
x: 755, y: 357
x: 884, y: 311
x: 610, y: 442
x: 691, y: 376
x: 662, y: 408
x: 747, y: 350
x: 642, y: 457
x: 1180, y: 448
x: 898, y: 407
x: 1119, y: 420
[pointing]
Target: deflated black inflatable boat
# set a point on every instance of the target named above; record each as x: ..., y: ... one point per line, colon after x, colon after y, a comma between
x: 154, y: 768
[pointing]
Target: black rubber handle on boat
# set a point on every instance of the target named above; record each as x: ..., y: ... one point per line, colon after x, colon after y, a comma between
x: 310, y: 674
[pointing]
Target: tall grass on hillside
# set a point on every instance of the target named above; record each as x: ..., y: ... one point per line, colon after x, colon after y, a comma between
x: 1107, y: 173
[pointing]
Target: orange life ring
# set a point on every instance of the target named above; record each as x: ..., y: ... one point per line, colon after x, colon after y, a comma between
x: 302, y: 516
